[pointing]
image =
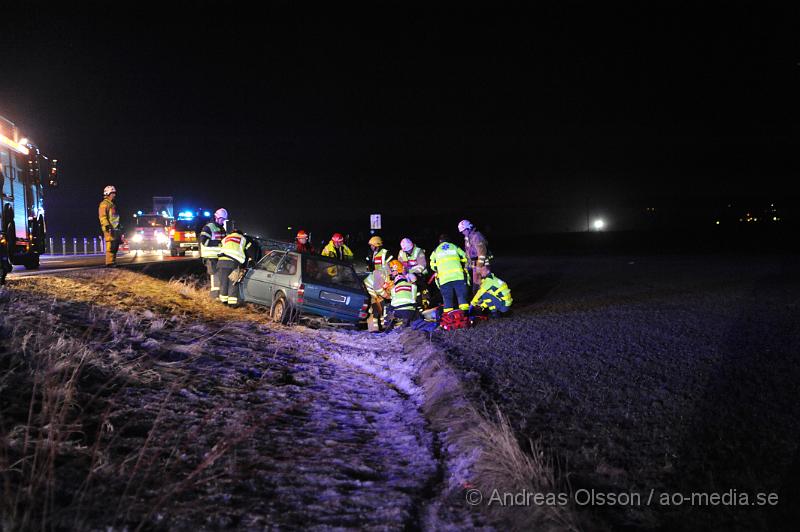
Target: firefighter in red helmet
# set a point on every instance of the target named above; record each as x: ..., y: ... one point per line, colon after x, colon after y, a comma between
x: 303, y: 243
x: 337, y: 249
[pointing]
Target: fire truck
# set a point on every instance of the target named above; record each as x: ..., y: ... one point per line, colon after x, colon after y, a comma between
x: 185, y: 231
x: 151, y: 229
x: 24, y: 170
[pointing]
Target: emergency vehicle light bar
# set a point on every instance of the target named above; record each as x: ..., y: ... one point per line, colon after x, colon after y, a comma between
x: 16, y: 146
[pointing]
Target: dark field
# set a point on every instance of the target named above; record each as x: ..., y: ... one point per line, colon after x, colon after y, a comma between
x: 652, y: 375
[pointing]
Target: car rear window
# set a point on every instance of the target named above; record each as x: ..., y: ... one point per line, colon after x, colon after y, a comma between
x: 319, y: 270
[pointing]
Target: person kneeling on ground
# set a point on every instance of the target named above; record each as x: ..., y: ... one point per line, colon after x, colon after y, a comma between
x: 403, y: 307
x: 493, y: 295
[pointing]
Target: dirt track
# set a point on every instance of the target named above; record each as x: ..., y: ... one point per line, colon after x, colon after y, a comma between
x: 663, y: 374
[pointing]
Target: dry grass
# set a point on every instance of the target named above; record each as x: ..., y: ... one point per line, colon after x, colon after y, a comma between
x: 124, y: 290
x: 483, y: 452
x: 63, y: 360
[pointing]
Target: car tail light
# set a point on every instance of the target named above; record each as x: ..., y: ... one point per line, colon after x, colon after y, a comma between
x: 301, y: 290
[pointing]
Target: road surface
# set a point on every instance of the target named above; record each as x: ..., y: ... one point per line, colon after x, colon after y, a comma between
x: 50, y: 264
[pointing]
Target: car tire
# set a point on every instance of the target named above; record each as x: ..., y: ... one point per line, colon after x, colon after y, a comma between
x: 280, y: 311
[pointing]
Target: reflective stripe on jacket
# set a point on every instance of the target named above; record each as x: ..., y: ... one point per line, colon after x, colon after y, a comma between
x: 491, y: 285
x: 415, y: 262
x: 210, y: 240
x: 380, y: 259
x: 234, y: 247
x: 404, y: 293
x: 108, y: 214
x: 448, y: 261
x: 477, y: 248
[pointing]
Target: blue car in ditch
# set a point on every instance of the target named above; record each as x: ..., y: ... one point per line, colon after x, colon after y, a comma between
x: 299, y: 285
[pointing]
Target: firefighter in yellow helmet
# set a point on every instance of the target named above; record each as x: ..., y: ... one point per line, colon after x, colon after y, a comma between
x: 493, y: 296
x: 109, y: 223
x: 378, y: 262
x: 403, y: 308
x: 380, y: 256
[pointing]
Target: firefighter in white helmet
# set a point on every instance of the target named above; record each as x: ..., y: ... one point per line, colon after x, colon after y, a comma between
x: 477, y: 250
x: 210, y: 241
x: 416, y: 266
x: 109, y: 223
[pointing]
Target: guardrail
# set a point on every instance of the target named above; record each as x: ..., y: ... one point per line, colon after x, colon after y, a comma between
x: 83, y: 245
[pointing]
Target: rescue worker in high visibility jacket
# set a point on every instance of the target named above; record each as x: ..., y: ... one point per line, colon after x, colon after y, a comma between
x: 403, y: 307
x: 378, y: 294
x: 302, y: 243
x: 477, y: 249
x: 416, y: 265
x: 380, y: 256
x: 493, y: 295
x: 232, y: 258
x: 109, y: 223
x: 413, y: 258
x: 378, y: 261
x: 210, y: 241
x: 450, y: 264
x: 337, y: 249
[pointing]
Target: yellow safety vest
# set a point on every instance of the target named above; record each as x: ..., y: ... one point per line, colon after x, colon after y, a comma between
x: 404, y: 294
x: 233, y: 248
x: 210, y: 240
x: 411, y: 260
x: 448, y: 261
x: 493, y: 286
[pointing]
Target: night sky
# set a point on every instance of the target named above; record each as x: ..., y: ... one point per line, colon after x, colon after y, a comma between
x: 518, y: 120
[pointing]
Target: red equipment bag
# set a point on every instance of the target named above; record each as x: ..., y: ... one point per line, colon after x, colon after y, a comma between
x: 455, y: 319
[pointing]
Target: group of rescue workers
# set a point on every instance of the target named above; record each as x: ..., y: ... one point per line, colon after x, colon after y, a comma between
x: 399, y: 288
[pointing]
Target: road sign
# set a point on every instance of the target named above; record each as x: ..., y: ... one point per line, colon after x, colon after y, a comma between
x: 374, y: 221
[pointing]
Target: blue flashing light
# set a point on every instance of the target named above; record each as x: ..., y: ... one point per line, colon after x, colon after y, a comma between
x: 185, y: 215
x: 206, y: 213
x: 139, y: 213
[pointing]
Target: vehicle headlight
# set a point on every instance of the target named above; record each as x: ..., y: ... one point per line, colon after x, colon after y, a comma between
x: 137, y: 238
